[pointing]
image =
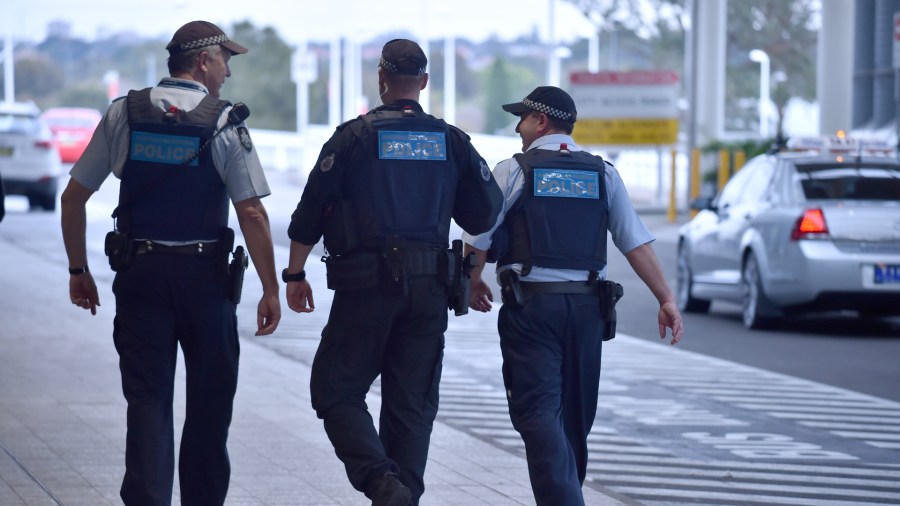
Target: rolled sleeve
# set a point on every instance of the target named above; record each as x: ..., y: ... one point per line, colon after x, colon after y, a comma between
x: 239, y: 167
x: 625, y: 225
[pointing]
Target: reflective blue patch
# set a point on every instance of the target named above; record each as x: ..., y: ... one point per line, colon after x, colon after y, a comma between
x: 160, y: 148
x: 580, y: 184
x: 393, y: 145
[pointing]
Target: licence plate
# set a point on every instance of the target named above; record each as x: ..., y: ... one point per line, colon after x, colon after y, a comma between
x: 886, y: 274
x: 6, y: 151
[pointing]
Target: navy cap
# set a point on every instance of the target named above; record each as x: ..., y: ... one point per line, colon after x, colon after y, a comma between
x: 197, y: 34
x: 403, y: 56
x: 549, y: 100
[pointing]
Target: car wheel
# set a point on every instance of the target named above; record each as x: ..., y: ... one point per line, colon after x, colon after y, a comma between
x: 757, y: 309
x: 46, y: 202
x: 686, y: 301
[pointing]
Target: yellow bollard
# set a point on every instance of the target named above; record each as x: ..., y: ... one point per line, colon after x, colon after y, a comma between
x: 673, y: 213
x: 724, y: 167
x: 740, y: 158
x: 695, y: 177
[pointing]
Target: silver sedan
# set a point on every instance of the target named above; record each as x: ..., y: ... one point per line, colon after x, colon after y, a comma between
x: 794, y: 233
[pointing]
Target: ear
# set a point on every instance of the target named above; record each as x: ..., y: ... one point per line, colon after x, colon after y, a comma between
x: 424, y: 81
x: 543, y: 124
x: 202, y: 61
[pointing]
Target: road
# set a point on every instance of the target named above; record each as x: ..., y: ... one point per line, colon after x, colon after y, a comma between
x: 803, y: 415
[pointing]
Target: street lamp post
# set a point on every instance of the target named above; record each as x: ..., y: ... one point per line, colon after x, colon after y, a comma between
x: 760, y: 56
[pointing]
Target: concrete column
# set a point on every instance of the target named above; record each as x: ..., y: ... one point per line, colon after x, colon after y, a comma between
x: 710, y: 69
x: 834, y: 84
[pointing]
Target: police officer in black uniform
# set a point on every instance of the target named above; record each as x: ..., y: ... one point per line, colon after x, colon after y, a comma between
x: 382, y: 193
x: 181, y: 153
x: 558, y: 307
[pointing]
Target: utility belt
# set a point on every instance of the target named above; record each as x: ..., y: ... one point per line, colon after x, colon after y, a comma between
x: 392, y: 266
x: 517, y: 293
x: 121, y: 249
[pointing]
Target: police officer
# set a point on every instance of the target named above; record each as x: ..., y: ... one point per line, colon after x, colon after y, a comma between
x: 382, y: 193
x: 180, y: 153
x: 550, y: 249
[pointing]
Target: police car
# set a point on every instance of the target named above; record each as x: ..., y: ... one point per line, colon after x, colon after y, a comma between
x: 814, y: 227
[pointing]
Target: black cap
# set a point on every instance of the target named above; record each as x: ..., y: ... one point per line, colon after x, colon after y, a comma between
x: 197, y: 34
x: 549, y: 100
x: 403, y: 56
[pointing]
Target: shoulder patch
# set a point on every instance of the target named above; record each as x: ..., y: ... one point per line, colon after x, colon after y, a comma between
x: 244, y: 136
x: 327, y: 163
x: 485, y: 171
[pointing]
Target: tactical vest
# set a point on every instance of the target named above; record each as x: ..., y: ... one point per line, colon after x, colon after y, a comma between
x: 170, y: 189
x: 412, y: 179
x: 561, y: 218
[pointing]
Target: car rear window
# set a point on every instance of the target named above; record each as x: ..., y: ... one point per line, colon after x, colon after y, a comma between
x: 864, y: 182
x: 19, y: 124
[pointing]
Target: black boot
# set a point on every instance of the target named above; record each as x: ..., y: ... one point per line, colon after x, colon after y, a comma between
x: 386, y: 490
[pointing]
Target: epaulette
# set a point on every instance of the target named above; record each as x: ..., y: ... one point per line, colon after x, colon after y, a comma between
x: 119, y: 98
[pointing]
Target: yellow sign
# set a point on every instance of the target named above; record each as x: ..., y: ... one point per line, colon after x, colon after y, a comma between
x: 625, y: 131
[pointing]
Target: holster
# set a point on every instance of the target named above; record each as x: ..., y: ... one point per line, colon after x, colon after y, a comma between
x: 460, y: 269
x: 118, y: 247
x: 611, y: 292
x: 395, y: 275
x: 234, y: 283
x: 511, y: 289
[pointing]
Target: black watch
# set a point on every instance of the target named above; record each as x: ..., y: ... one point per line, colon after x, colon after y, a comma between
x: 77, y: 271
x: 287, y: 278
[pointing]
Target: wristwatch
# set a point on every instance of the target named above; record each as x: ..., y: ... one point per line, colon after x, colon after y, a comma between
x: 287, y: 278
x: 77, y: 271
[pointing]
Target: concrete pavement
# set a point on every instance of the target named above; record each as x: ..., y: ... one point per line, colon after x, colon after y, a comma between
x: 62, y: 415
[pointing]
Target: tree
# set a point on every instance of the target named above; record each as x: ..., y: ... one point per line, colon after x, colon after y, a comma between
x: 787, y: 32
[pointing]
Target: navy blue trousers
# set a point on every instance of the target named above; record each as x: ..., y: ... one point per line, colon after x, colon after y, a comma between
x: 401, y: 338
x: 551, y: 369
x: 163, y: 300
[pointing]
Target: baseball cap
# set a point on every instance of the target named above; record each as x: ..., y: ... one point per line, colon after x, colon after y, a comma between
x: 197, y: 34
x: 549, y: 100
x: 403, y: 56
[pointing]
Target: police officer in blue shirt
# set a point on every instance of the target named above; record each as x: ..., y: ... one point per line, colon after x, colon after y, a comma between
x: 550, y: 247
x: 381, y: 195
x: 180, y: 153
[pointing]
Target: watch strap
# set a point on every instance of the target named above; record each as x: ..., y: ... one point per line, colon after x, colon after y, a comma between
x: 77, y: 271
x: 297, y: 276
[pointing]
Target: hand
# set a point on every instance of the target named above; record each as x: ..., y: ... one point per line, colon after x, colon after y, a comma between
x: 83, y: 291
x: 268, y: 314
x: 299, y: 294
x: 480, y: 296
x: 670, y: 317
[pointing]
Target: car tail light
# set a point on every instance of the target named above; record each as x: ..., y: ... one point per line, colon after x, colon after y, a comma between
x: 810, y: 226
x: 43, y: 144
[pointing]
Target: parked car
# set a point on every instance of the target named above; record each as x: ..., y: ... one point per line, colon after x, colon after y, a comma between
x: 798, y: 231
x: 72, y: 128
x: 29, y: 160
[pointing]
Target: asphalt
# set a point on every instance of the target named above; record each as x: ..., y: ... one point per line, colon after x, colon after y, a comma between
x: 62, y: 414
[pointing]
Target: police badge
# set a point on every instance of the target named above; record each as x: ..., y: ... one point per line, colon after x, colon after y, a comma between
x: 327, y: 163
x: 244, y: 136
x: 485, y: 171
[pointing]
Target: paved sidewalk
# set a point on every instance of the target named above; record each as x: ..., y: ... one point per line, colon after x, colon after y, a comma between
x: 62, y: 415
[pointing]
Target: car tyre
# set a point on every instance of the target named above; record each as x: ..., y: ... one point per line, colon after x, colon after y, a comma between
x: 46, y: 202
x: 757, y: 310
x: 687, y: 303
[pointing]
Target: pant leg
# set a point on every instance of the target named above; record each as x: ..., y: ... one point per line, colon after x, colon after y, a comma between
x: 347, y: 361
x: 581, y: 375
x: 144, y: 335
x: 532, y: 343
x: 410, y: 381
x: 207, y: 330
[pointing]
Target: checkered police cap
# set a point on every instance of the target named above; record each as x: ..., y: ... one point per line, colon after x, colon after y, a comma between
x: 403, y: 56
x: 549, y: 100
x: 197, y: 34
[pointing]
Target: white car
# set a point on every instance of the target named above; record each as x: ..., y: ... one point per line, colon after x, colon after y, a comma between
x: 29, y: 159
x: 796, y: 232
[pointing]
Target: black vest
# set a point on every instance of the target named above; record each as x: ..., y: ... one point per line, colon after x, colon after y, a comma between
x: 561, y: 218
x: 410, y: 179
x: 168, y: 192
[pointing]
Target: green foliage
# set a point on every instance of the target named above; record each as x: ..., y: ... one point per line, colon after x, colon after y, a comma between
x: 37, y: 78
x: 82, y: 95
x: 503, y: 83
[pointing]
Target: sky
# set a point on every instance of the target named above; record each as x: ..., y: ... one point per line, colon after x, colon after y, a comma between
x: 298, y: 20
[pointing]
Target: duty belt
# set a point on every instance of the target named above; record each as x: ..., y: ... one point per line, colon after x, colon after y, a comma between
x: 197, y: 248
x: 574, y: 287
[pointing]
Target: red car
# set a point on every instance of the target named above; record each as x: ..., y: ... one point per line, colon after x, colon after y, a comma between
x: 72, y: 128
